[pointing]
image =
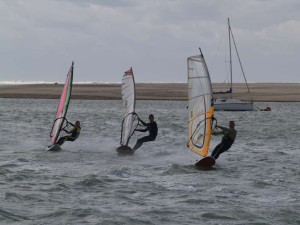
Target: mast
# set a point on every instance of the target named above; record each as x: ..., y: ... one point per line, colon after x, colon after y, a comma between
x: 230, y: 59
x: 240, y: 62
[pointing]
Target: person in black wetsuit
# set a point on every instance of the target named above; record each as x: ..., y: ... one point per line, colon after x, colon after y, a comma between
x: 229, y: 135
x: 151, y: 127
x: 74, y: 134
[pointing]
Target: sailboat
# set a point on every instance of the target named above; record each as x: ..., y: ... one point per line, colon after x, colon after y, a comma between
x: 229, y: 103
x: 200, y: 109
x: 60, y: 121
x: 130, y: 118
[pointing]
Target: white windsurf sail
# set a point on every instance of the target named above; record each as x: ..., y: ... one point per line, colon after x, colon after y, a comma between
x: 62, y: 107
x: 200, y: 105
x: 128, y: 97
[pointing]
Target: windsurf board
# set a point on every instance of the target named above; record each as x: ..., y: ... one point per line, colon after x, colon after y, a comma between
x: 206, y: 162
x: 125, y: 150
x: 53, y: 148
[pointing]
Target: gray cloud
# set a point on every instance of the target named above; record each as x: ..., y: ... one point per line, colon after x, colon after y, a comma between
x: 40, y: 38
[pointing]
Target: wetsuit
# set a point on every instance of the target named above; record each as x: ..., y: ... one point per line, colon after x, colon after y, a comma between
x: 74, y: 135
x: 152, y: 128
x: 227, y: 141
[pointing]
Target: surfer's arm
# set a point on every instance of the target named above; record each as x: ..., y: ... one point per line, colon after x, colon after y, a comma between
x: 230, y: 132
x: 141, y: 130
x: 223, y: 128
x: 145, y: 124
x: 68, y: 131
x: 214, y: 132
x: 73, y: 125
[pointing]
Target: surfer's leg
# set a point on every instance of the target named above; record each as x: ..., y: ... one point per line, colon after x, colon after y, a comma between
x: 61, y: 141
x: 140, y: 142
x: 137, y: 145
x: 70, y: 138
x: 215, y: 151
x: 223, y: 147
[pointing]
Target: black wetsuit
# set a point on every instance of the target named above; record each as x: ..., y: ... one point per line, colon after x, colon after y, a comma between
x: 227, y: 141
x: 74, y: 135
x: 152, y: 128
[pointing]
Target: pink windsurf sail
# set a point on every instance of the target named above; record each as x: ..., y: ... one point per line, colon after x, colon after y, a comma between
x: 62, y: 107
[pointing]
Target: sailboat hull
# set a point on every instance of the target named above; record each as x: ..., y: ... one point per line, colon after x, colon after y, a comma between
x: 223, y: 104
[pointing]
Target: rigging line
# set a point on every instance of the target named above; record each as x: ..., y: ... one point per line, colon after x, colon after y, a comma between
x: 64, y: 119
x: 198, y: 96
x: 237, y: 53
x: 190, y: 138
x: 132, y: 132
x: 67, y: 123
x: 125, y: 87
x: 195, y: 117
x: 134, y: 118
x: 196, y: 77
x: 212, y: 120
x: 139, y: 124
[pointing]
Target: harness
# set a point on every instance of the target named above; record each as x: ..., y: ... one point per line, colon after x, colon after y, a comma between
x: 226, y: 139
x: 76, y: 132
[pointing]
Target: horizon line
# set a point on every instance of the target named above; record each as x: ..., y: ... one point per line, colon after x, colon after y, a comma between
x: 111, y: 82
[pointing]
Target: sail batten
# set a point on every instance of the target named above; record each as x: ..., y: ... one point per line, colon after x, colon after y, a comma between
x: 200, y: 105
x: 128, y: 97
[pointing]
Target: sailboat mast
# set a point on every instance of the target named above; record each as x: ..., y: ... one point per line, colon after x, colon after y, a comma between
x: 237, y: 53
x: 230, y: 59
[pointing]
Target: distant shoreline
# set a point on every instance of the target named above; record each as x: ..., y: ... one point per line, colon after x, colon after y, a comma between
x: 261, y: 92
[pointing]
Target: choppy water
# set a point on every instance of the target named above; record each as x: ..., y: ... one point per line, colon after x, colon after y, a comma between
x: 255, y: 182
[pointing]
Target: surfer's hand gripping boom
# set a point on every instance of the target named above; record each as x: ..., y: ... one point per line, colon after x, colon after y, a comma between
x: 214, y: 122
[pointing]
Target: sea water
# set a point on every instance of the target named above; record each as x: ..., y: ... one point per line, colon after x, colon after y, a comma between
x: 87, y: 182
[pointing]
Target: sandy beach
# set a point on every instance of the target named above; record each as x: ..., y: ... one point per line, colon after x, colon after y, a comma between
x: 261, y: 92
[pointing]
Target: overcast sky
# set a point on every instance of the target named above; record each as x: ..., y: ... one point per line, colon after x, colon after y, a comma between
x: 40, y: 38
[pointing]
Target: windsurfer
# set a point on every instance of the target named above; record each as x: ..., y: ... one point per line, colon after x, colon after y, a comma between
x: 75, y: 131
x: 151, y: 127
x: 229, y: 135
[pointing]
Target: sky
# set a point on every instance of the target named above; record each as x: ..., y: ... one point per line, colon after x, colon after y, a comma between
x: 39, y: 39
